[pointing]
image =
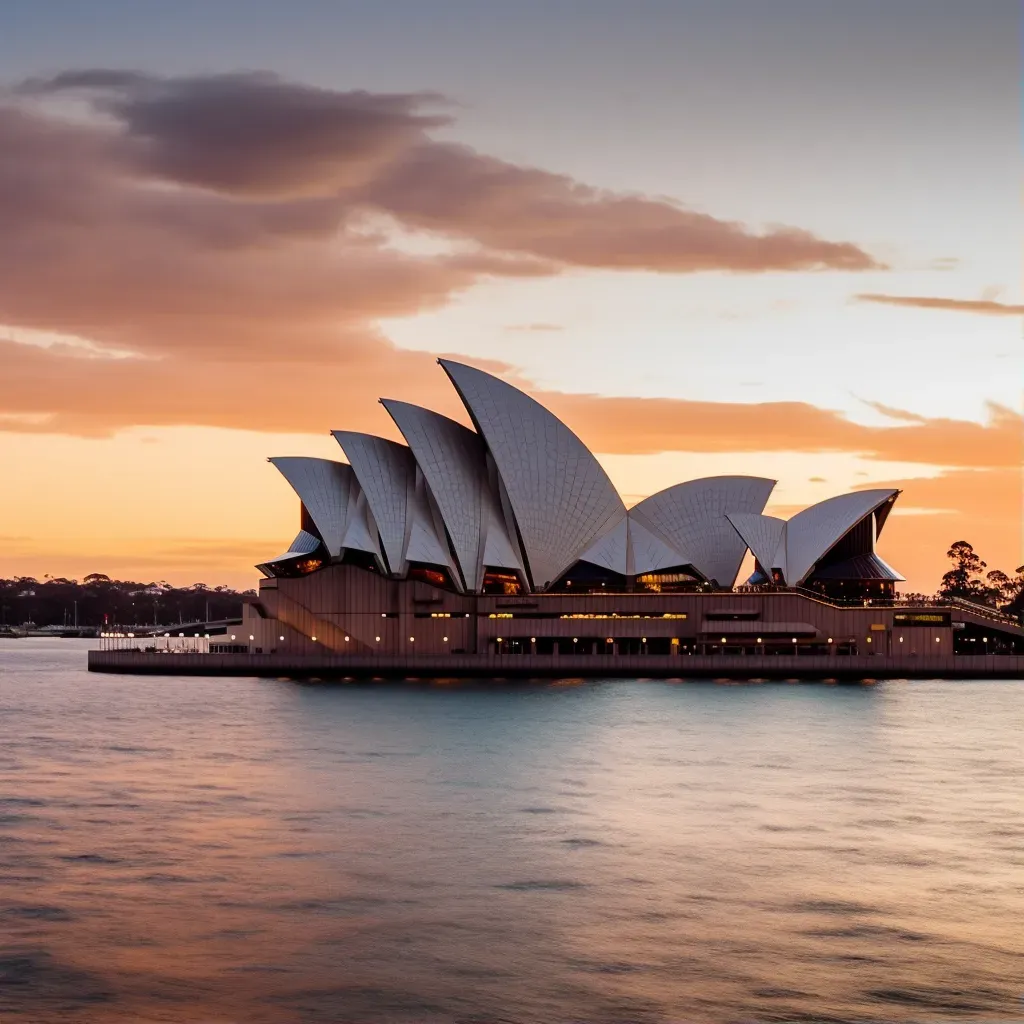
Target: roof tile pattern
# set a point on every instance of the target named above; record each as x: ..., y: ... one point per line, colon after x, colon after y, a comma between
x: 452, y: 459
x: 765, y: 536
x: 812, y: 533
x: 324, y: 487
x: 560, y: 495
x: 386, y: 472
x: 691, y: 517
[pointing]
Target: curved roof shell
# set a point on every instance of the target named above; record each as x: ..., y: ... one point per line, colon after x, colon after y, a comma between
x: 691, y: 517
x: 387, y: 474
x: 559, y: 493
x: 453, y: 461
x: 812, y: 533
x: 325, y: 488
x: 302, y: 546
x: 764, y: 535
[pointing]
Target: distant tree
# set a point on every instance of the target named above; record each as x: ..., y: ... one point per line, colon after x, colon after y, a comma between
x: 1015, y: 605
x: 964, y: 579
x: 999, y: 589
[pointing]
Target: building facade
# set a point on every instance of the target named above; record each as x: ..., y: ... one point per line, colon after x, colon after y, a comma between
x: 508, y: 540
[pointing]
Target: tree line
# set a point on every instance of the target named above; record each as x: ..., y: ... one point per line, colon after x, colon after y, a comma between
x: 969, y: 580
x: 98, y: 601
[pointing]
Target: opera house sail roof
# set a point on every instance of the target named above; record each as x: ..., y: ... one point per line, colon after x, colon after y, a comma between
x: 521, y: 498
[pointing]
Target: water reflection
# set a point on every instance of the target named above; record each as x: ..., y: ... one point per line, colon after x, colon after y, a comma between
x: 188, y: 849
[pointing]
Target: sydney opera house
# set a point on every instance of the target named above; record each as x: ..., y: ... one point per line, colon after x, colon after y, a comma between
x: 507, y: 544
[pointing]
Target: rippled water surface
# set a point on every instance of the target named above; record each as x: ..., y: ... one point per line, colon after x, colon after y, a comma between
x: 258, y: 850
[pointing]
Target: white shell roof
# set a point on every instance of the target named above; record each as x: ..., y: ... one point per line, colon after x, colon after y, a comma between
x: 324, y: 487
x: 691, y: 517
x: 812, y: 533
x: 649, y: 552
x: 560, y: 495
x: 765, y: 536
x: 612, y: 550
x: 304, y: 544
x: 452, y: 459
x: 361, y: 531
x: 424, y: 542
x: 387, y: 475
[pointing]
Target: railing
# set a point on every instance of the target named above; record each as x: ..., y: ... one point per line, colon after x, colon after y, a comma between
x: 982, y: 610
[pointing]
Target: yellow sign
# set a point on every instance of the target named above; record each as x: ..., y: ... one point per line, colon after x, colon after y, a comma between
x: 877, y: 627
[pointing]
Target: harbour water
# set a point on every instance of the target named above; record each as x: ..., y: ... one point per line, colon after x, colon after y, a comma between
x: 237, y: 849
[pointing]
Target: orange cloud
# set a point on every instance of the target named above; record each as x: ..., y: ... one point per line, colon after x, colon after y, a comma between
x: 987, y: 307
x: 981, y: 506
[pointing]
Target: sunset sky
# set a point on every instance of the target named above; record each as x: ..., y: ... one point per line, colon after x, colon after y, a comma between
x: 777, y: 237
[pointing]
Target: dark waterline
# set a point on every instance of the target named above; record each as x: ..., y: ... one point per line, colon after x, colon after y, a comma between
x: 250, y: 850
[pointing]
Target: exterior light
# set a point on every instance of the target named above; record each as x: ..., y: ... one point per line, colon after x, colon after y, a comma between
x: 412, y: 639
x: 575, y: 640
x: 182, y: 634
x: 609, y: 640
x: 723, y: 639
x: 251, y: 637
x: 499, y: 639
x: 643, y: 639
x: 206, y: 636
x: 901, y: 639
x: 232, y: 636
x: 444, y: 639
x: 132, y: 635
x: 794, y: 639
x: 984, y: 639
x: 197, y: 636
x: 377, y: 638
x: 869, y: 639
x: 383, y: 615
x: 347, y: 639
x: 759, y: 640
x: 830, y: 639
x: 168, y: 634
x: 313, y: 638
x: 938, y: 640
x: 281, y: 638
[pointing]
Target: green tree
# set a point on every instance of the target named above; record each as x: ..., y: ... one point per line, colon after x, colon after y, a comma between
x: 964, y: 579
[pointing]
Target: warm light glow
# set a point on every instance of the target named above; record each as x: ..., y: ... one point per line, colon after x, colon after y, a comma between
x: 313, y: 638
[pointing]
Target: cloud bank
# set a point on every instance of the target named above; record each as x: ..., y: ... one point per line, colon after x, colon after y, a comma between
x: 235, y: 236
